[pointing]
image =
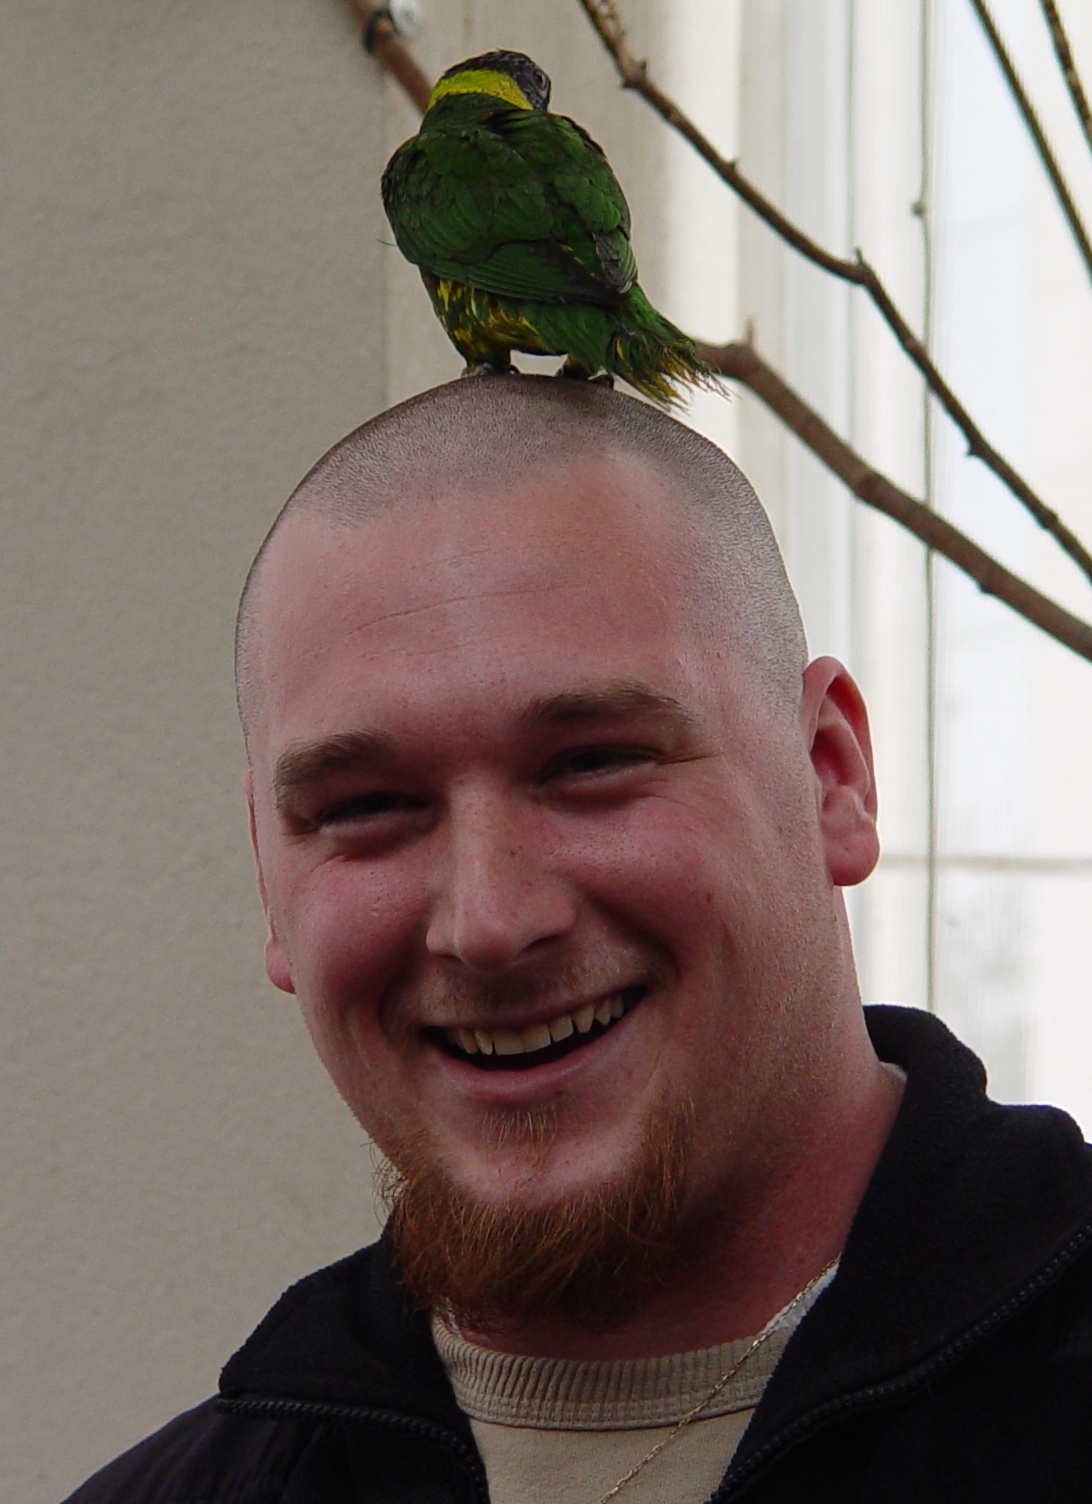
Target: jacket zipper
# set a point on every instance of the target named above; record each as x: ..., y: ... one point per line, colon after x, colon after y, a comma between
x: 406, y: 1424
x: 896, y: 1389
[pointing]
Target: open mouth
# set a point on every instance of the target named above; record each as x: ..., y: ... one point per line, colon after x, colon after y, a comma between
x: 539, y: 1044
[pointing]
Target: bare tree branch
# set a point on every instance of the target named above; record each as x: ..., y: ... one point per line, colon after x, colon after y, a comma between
x: 382, y: 40
x: 1036, y: 132
x: 635, y: 75
x: 1064, y: 54
x: 742, y: 363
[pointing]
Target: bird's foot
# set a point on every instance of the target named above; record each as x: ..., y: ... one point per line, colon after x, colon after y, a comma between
x: 573, y: 371
x: 487, y: 368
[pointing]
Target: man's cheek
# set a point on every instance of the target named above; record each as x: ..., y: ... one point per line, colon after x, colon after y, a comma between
x: 665, y: 887
x: 347, y: 1053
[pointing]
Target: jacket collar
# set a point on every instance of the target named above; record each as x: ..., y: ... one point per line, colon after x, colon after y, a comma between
x: 969, y: 1205
x: 347, y: 1336
x: 969, y: 1202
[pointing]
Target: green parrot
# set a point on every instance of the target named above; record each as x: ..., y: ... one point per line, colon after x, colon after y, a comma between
x: 521, y: 232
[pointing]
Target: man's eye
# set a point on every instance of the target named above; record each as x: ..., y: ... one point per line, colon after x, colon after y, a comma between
x: 363, y: 807
x: 590, y: 761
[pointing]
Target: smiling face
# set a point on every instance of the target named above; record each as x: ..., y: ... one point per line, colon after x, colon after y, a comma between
x: 537, y: 843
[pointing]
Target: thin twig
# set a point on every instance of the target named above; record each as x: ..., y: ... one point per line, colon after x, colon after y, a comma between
x: 635, y: 75
x: 383, y: 42
x: 1036, y: 132
x: 742, y: 363
x: 1064, y: 54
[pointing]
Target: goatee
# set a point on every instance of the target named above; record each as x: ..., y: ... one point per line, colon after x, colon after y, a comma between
x: 587, y: 1258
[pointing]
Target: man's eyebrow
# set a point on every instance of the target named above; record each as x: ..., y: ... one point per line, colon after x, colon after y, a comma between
x: 300, y: 766
x: 621, y: 701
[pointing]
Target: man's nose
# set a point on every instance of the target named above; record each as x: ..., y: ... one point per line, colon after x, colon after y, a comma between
x: 498, y: 893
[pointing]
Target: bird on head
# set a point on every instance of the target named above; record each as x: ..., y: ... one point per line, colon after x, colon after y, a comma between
x: 521, y: 233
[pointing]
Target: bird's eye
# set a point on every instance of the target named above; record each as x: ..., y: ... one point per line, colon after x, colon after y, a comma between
x: 539, y: 78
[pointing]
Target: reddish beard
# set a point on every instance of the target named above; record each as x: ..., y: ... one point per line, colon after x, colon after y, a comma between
x: 587, y: 1258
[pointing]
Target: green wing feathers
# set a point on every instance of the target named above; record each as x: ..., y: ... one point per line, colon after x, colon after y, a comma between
x: 502, y: 203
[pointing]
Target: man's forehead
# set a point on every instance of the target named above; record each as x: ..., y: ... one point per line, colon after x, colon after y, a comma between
x: 554, y: 519
x: 552, y: 567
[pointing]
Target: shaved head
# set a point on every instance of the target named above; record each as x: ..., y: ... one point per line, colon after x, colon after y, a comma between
x: 486, y: 434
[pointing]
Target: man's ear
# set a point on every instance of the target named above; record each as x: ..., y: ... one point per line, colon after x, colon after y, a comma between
x: 836, y: 724
x: 276, y: 958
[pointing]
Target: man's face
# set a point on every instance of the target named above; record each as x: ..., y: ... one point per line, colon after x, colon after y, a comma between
x: 508, y: 795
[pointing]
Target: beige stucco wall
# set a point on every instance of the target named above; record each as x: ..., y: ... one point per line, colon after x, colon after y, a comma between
x: 197, y: 301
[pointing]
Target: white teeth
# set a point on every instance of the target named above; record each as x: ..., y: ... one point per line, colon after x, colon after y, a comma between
x: 537, y: 1036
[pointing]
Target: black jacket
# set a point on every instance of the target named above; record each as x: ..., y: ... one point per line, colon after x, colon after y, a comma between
x: 951, y: 1359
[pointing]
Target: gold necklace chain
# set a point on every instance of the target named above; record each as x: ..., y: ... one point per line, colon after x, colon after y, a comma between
x: 775, y: 1325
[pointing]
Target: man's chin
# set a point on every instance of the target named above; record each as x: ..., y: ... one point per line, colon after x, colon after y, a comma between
x: 583, y: 1257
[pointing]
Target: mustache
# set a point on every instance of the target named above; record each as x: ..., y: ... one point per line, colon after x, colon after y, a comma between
x: 542, y: 985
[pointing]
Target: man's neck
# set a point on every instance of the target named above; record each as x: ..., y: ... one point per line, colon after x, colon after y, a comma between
x: 735, y: 1271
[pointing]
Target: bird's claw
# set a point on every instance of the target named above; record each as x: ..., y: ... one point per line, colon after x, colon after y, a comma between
x: 571, y: 371
x: 483, y: 368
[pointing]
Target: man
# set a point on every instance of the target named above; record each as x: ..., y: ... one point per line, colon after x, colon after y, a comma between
x: 552, y: 819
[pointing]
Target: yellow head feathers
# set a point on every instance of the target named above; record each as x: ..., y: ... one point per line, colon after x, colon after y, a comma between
x: 482, y: 81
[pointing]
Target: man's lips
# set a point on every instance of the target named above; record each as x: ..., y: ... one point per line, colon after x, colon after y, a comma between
x: 538, y: 1043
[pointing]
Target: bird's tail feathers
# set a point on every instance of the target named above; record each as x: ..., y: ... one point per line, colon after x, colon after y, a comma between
x: 654, y: 357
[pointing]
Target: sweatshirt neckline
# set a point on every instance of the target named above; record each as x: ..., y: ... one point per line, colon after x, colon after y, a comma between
x: 567, y: 1394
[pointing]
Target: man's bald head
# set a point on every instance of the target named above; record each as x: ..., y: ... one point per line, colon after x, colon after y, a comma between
x: 487, y: 433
